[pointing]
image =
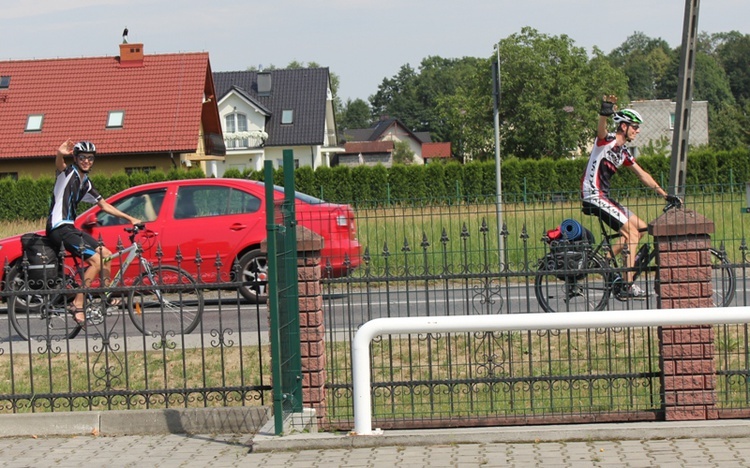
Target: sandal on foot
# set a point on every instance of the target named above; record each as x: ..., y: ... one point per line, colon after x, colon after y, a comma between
x: 74, y: 311
x: 114, y: 302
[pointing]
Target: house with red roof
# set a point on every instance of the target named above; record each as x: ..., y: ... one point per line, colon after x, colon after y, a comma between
x: 143, y: 112
x: 375, y: 145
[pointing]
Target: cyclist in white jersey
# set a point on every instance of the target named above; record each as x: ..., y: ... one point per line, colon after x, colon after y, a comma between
x: 73, y: 186
x: 609, y: 154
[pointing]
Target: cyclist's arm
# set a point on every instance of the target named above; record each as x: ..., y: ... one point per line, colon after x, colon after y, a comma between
x: 107, y: 208
x: 647, y: 180
x: 601, y: 128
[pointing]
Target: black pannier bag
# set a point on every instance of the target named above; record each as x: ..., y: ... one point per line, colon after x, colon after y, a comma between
x: 42, y: 257
x: 569, y: 244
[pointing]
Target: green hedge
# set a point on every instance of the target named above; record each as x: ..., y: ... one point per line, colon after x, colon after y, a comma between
x: 365, y: 186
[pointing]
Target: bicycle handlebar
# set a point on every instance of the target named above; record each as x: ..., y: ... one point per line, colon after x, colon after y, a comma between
x: 672, y: 202
x: 133, y: 231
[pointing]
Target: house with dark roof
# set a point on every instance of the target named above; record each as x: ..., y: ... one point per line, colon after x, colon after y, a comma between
x: 143, y: 112
x: 365, y: 145
x: 265, y: 113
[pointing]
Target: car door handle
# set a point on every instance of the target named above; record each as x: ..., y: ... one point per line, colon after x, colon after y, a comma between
x: 237, y: 227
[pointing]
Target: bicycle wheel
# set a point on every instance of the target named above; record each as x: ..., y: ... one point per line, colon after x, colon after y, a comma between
x: 165, y: 301
x: 45, y: 319
x: 723, y: 278
x: 561, y: 288
x: 15, y: 281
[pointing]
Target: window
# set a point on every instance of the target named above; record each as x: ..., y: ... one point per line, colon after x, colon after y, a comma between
x: 9, y: 175
x: 4, y: 82
x: 287, y: 117
x: 115, y: 119
x: 202, y: 201
x: 671, y: 120
x: 143, y: 205
x: 34, y: 123
x: 235, y: 123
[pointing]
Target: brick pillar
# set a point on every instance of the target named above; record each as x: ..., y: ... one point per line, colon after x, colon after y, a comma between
x: 688, y: 377
x: 312, y: 330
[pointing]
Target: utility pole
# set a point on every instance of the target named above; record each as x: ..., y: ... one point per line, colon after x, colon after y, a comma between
x: 684, y: 100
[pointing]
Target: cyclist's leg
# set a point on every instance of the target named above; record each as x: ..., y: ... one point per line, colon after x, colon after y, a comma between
x: 611, y: 213
x: 83, y: 245
x: 631, y: 231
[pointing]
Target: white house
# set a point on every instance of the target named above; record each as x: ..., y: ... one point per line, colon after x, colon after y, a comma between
x: 265, y: 113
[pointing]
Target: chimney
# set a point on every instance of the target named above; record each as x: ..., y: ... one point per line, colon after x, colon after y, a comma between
x: 264, y: 84
x: 131, y: 55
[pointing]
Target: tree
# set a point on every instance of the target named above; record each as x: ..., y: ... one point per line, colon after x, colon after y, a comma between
x: 710, y: 82
x: 733, y: 53
x: 402, y: 153
x: 354, y: 114
x: 550, y: 94
x: 644, y: 60
x: 414, y: 96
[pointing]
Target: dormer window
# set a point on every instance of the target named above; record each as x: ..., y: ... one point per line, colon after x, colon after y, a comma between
x: 115, y: 119
x: 34, y: 123
x: 287, y: 117
x: 4, y: 82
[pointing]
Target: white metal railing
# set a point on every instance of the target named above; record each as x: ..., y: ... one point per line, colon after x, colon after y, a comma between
x: 488, y: 323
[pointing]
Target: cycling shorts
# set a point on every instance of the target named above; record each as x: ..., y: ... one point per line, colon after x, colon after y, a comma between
x: 612, y: 213
x: 75, y: 241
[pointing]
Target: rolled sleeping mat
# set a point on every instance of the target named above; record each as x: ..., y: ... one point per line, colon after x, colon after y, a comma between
x: 572, y: 229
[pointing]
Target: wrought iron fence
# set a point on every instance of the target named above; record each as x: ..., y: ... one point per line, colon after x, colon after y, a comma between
x: 110, y: 364
x: 432, y: 259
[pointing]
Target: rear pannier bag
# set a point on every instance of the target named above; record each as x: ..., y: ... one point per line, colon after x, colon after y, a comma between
x: 42, y: 257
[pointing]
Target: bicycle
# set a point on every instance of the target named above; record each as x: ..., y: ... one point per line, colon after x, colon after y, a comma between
x: 582, y: 275
x: 155, y: 301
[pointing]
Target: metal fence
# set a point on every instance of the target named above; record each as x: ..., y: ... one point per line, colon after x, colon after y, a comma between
x: 439, y: 259
x: 421, y: 259
x: 111, y: 365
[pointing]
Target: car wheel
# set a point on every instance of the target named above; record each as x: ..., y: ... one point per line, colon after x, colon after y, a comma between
x: 254, y: 275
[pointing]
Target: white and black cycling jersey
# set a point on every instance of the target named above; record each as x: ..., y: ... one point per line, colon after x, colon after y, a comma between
x: 605, y: 159
x: 71, y: 188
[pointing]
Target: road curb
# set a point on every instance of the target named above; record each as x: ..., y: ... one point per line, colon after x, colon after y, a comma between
x: 263, y: 442
x: 239, y: 420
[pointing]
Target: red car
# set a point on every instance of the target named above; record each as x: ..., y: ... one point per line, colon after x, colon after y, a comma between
x: 210, y: 218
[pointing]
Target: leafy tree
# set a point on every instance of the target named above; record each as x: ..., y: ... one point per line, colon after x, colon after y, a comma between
x: 734, y: 55
x: 402, y: 153
x: 645, y: 61
x: 355, y: 114
x: 549, y: 100
x: 414, y: 96
x: 710, y: 82
x: 397, y: 97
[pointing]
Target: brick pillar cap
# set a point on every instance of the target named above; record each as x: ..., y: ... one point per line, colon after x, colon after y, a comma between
x: 307, y: 241
x: 680, y: 222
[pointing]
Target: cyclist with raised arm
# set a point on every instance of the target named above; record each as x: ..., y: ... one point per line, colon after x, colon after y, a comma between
x: 611, y: 152
x: 72, y: 186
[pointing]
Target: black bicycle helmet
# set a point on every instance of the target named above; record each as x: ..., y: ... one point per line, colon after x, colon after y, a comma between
x: 84, y: 147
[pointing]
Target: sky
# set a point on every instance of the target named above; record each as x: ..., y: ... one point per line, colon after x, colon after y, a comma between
x: 361, y: 41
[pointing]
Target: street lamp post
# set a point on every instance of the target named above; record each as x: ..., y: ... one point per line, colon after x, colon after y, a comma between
x: 498, y: 174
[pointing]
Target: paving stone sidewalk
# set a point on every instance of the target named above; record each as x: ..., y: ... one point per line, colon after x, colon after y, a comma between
x: 176, y: 450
